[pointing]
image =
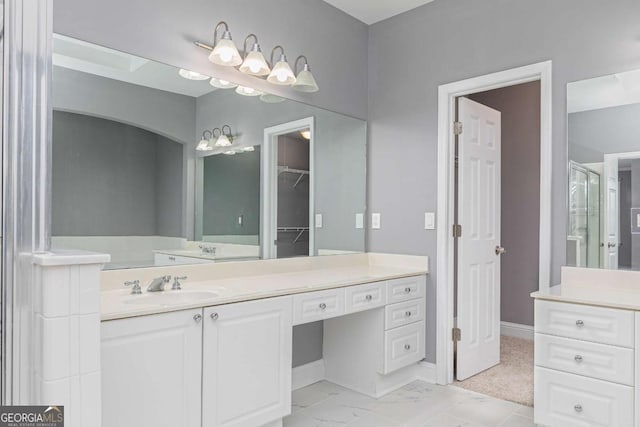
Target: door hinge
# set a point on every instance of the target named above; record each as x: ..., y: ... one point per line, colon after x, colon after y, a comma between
x: 457, y: 128
x: 457, y: 230
x: 456, y: 334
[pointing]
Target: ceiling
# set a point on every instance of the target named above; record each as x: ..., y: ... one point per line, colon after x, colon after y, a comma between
x: 604, y: 92
x: 372, y: 11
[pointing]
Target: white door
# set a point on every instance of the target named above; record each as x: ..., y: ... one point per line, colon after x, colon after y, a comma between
x: 478, y: 262
x: 611, y: 226
x: 247, y: 363
x: 152, y: 370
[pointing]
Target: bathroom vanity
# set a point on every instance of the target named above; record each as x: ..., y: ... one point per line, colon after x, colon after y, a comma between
x: 587, y: 333
x: 219, y: 351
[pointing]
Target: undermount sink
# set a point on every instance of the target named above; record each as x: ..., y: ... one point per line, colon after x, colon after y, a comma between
x: 169, y: 297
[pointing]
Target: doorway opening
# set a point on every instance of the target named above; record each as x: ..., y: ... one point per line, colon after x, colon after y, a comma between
x: 486, y: 327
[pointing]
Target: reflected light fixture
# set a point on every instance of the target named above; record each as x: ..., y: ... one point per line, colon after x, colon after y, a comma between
x: 271, y: 99
x: 305, y: 82
x: 281, y: 73
x: 306, y: 134
x: 249, y: 148
x: 230, y: 153
x: 204, y: 144
x: 247, y: 91
x: 254, y: 63
x: 225, y: 139
x: 192, y: 75
x: 224, y: 50
x: 221, y: 84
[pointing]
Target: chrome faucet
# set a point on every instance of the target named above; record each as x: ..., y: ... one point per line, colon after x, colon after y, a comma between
x: 157, y: 284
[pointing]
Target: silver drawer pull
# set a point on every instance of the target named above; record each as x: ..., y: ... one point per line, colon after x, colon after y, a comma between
x: 579, y: 323
x: 578, y: 407
x: 407, y: 347
x: 407, y: 290
x: 368, y: 297
x: 578, y: 358
x: 323, y: 306
x: 197, y: 318
x: 407, y: 313
x: 214, y: 316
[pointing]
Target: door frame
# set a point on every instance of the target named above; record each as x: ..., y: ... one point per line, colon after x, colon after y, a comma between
x: 269, y: 183
x: 447, y: 95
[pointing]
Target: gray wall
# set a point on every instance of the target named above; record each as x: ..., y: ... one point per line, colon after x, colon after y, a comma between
x: 232, y: 188
x: 624, y: 251
x: 520, y: 108
x: 449, y: 40
x: 143, y: 196
x: 335, y: 43
x: 608, y: 130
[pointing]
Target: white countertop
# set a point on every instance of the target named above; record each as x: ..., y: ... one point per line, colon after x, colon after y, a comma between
x: 118, y: 303
x: 189, y: 253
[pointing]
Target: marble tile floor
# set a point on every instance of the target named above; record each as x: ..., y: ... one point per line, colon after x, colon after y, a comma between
x: 418, y: 404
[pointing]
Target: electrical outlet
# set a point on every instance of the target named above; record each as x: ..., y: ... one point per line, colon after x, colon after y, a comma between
x: 429, y: 221
x: 375, y: 221
x: 359, y: 220
x: 318, y: 220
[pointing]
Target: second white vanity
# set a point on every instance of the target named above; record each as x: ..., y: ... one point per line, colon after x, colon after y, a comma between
x: 219, y: 351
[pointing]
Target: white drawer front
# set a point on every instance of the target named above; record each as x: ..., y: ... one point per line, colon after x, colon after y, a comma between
x: 571, y: 400
x: 593, y: 360
x: 364, y: 297
x: 405, y: 289
x: 403, y: 347
x: 583, y: 322
x: 314, y: 306
x: 403, y: 313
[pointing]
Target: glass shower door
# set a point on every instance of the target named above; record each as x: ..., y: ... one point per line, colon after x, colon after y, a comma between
x: 578, y: 215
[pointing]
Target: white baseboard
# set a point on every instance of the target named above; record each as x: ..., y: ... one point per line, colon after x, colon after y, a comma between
x: 308, y: 374
x: 516, y: 330
x: 427, y: 372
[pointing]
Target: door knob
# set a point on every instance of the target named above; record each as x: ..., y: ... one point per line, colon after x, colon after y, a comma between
x: 611, y: 245
x: 500, y: 250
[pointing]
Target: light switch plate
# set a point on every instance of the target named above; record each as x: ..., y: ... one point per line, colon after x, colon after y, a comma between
x: 429, y: 221
x: 318, y: 220
x: 240, y: 220
x: 375, y: 221
x: 359, y: 220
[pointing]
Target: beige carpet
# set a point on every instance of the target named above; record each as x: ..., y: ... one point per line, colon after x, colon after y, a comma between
x: 512, y: 379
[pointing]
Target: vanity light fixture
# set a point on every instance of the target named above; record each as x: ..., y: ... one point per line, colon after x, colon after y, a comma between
x: 247, y: 91
x: 221, y: 84
x: 305, y: 82
x: 224, y: 50
x: 204, y: 144
x: 225, y: 139
x: 249, y: 148
x: 281, y: 73
x: 271, y: 99
x: 230, y: 153
x: 254, y: 63
x: 192, y: 75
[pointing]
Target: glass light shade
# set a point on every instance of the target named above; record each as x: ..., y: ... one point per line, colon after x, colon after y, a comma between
x: 247, y: 91
x: 255, y: 64
x: 225, y: 53
x: 271, y: 99
x: 305, y: 82
x: 249, y: 148
x: 221, y: 84
x: 306, y: 134
x: 192, y: 75
x: 223, y: 141
x: 281, y: 74
x: 230, y: 153
x: 204, y: 145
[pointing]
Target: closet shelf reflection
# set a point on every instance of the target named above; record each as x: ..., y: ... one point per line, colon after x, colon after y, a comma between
x: 299, y: 230
x: 287, y: 169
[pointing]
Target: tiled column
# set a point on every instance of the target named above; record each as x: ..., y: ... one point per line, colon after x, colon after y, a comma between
x: 67, y: 334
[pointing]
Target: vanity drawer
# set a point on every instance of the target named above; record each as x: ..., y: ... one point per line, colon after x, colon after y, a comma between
x: 405, y: 289
x: 584, y: 322
x: 403, y: 313
x: 314, y: 306
x: 403, y: 346
x: 364, y: 297
x: 604, y: 362
x: 571, y: 400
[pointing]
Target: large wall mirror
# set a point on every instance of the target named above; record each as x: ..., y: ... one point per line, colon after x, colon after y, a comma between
x: 604, y: 172
x: 156, y: 166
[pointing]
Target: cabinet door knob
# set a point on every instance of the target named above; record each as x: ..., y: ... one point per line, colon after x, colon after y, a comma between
x: 407, y: 347
x: 323, y: 306
x: 368, y: 297
x: 579, y: 323
x: 578, y: 358
x: 214, y: 316
x: 407, y: 313
x: 578, y: 407
x: 197, y: 318
x: 407, y: 290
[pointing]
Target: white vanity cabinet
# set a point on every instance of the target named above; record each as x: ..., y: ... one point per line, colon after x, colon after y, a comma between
x: 151, y: 370
x: 247, y: 360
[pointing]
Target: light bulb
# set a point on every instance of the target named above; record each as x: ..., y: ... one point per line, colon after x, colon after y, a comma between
x: 247, y: 91
x: 221, y: 84
x: 281, y: 73
x: 192, y: 75
x: 203, y: 145
x: 223, y: 141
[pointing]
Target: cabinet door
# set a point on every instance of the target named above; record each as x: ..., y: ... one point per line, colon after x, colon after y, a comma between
x: 151, y: 370
x: 247, y: 363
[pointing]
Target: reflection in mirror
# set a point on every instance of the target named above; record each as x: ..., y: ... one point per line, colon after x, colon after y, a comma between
x: 157, y: 166
x: 604, y: 172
